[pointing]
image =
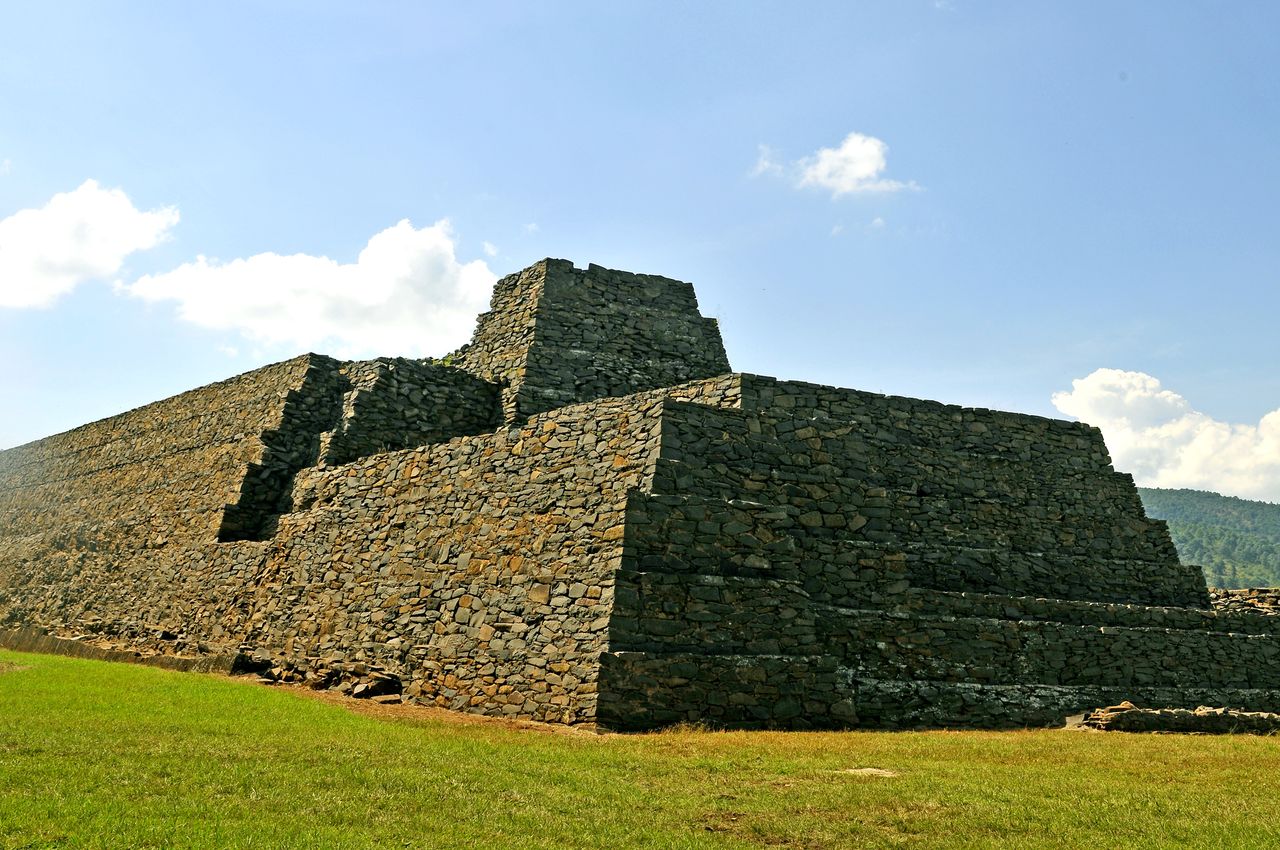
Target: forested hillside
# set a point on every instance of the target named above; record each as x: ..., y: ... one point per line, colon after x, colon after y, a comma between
x: 1236, y: 541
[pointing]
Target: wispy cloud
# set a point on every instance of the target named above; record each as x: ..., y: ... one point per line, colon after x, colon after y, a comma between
x: 1158, y: 436
x: 77, y: 236
x: 766, y: 162
x: 490, y: 250
x: 406, y: 293
x: 857, y: 166
x: 6, y: 165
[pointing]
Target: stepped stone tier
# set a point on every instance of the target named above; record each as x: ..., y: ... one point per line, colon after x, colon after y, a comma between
x: 584, y: 517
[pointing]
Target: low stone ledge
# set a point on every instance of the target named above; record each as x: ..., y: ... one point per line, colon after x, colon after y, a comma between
x: 1086, y: 613
x: 898, y: 704
x: 33, y: 640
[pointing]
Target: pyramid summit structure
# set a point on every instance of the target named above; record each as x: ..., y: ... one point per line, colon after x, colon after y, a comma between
x: 585, y: 517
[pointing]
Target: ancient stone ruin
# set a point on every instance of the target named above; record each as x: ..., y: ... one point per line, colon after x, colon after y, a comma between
x: 584, y: 517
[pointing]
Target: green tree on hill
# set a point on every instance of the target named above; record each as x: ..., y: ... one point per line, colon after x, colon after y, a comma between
x: 1235, y: 541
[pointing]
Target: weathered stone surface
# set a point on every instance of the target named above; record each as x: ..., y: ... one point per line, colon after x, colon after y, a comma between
x: 583, y: 517
x: 1127, y: 717
x: 394, y: 403
x: 1254, y: 600
x: 557, y: 335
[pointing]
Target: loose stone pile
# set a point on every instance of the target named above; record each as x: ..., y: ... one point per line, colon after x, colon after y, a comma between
x: 1254, y: 600
x: 583, y: 517
x: 1127, y: 717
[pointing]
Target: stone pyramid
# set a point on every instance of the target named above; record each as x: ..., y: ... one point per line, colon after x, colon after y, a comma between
x: 584, y: 517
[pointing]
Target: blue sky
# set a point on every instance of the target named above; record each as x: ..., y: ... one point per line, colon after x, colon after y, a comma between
x: 982, y: 203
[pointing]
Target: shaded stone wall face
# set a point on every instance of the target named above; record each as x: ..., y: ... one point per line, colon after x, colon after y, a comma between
x: 951, y: 642
x: 968, y: 519
x: 812, y: 557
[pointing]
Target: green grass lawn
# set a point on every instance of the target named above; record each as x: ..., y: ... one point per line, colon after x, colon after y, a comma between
x: 108, y: 755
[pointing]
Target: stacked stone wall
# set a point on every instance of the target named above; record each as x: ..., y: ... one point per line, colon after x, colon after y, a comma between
x: 557, y: 335
x: 395, y: 403
x: 108, y: 528
x: 499, y: 348
x: 944, y: 637
x: 760, y: 631
x: 166, y: 469
x: 904, y: 704
x: 941, y: 426
x: 963, y: 522
x: 990, y: 605
x: 479, y: 571
x: 288, y: 447
x: 895, y: 645
x: 738, y: 651
x: 690, y: 536
x: 808, y: 556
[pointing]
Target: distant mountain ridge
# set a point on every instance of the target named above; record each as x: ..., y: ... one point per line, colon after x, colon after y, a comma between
x: 1236, y: 541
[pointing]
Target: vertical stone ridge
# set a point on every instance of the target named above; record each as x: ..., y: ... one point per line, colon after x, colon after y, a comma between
x: 310, y: 409
x: 499, y: 348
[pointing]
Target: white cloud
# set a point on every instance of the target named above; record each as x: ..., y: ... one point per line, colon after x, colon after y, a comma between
x: 531, y: 227
x: 857, y: 166
x: 6, y: 165
x: 854, y: 167
x: 490, y: 249
x: 76, y: 237
x: 877, y: 223
x: 1158, y: 436
x: 405, y: 294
